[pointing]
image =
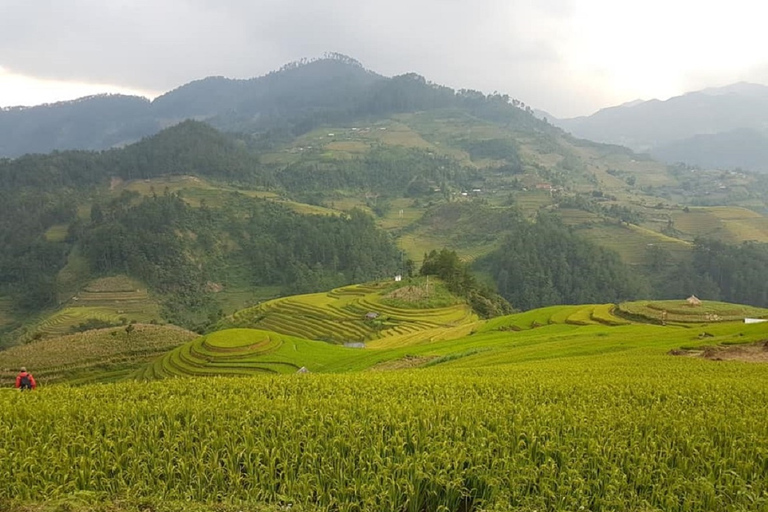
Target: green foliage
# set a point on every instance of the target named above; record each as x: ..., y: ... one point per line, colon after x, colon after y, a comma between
x: 718, y: 271
x: 458, y: 277
x: 545, y: 263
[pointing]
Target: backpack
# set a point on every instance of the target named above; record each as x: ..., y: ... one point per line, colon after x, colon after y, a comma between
x: 26, y: 382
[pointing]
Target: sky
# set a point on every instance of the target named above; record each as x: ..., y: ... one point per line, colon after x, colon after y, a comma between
x: 567, y: 57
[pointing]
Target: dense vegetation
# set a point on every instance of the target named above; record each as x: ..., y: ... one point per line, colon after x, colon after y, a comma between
x: 178, y: 249
x: 460, y: 280
x: 718, y: 271
x: 545, y: 263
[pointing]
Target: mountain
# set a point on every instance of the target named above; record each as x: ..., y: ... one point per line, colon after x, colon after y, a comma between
x: 745, y: 148
x: 678, y: 128
x: 293, y: 100
x: 93, y: 122
x: 290, y: 96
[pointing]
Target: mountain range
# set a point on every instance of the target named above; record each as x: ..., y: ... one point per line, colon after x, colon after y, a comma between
x: 324, y: 173
x: 724, y: 127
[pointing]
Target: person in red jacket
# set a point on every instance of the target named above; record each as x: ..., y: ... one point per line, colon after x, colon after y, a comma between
x: 25, y: 380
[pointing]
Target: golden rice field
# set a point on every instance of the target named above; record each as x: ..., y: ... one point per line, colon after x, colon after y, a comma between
x: 636, y: 431
x: 564, y: 408
x: 342, y: 315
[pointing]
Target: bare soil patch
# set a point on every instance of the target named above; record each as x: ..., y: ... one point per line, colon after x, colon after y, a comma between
x: 403, y: 363
x: 408, y: 294
x: 752, y: 352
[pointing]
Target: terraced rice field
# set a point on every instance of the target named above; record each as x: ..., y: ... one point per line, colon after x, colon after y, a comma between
x: 633, y: 242
x: 243, y: 352
x: 341, y: 316
x: 111, y: 299
x: 91, y: 356
x: 256, y: 351
x: 680, y: 311
x: 730, y: 224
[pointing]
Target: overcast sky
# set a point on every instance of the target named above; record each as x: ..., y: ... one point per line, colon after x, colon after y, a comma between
x: 569, y: 57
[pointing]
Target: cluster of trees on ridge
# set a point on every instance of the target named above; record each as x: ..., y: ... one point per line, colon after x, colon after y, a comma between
x: 460, y: 281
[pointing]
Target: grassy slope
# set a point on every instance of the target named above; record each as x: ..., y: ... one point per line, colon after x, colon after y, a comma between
x: 97, y: 355
x: 113, y: 300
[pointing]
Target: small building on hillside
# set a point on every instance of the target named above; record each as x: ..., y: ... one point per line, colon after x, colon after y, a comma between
x: 371, y: 316
x: 693, y: 301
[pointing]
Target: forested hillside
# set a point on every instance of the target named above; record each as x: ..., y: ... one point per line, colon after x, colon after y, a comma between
x: 350, y: 176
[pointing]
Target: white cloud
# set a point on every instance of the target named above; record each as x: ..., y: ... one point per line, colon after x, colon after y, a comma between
x: 566, y: 56
x: 20, y: 90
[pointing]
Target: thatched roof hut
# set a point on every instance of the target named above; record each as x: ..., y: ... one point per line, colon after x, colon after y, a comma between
x: 693, y: 301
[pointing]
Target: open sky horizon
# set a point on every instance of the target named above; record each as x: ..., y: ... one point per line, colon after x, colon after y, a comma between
x: 566, y: 57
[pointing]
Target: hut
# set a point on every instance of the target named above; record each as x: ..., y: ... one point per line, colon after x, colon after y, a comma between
x: 693, y: 301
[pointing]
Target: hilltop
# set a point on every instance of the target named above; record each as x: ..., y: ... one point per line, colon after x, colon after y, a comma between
x: 292, y: 100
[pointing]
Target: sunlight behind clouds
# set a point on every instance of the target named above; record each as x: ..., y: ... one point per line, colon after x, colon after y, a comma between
x: 660, y: 48
x: 20, y: 90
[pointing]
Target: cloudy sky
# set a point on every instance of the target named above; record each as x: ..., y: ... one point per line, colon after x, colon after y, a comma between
x: 569, y: 57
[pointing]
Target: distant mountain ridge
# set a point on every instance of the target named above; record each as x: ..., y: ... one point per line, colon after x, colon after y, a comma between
x: 288, y: 102
x: 686, y: 128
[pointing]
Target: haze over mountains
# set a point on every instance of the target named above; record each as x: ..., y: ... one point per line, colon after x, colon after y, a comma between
x: 724, y: 127
x: 293, y: 100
